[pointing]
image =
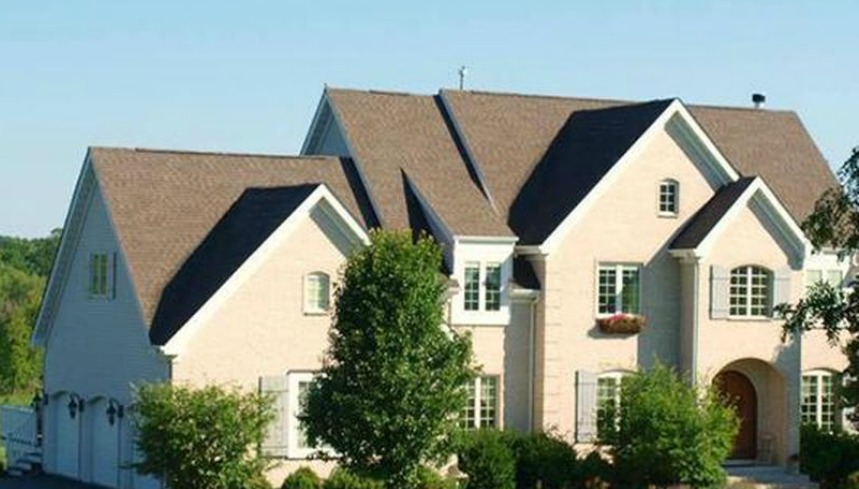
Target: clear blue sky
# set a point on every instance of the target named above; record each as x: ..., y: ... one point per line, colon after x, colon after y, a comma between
x: 245, y: 76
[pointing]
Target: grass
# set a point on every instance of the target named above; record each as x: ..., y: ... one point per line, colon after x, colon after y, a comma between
x: 15, y: 399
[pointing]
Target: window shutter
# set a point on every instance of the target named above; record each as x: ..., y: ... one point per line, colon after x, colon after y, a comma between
x: 586, y: 406
x: 781, y: 286
x: 274, y: 444
x: 111, y: 276
x: 720, y: 280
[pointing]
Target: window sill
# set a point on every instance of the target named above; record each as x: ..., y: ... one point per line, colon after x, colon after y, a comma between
x: 316, y: 313
x: 668, y: 215
x: 751, y: 319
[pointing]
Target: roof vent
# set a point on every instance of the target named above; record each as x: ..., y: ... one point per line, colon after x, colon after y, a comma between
x: 759, y: 100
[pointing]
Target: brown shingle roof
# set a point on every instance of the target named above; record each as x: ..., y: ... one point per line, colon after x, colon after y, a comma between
x: 165, y: 203
x: 393, y: 135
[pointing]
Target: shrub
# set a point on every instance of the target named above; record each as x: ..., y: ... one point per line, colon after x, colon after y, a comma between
x: 670, y: 432
x: 344, y: 479
x: 487, y: 457
x: 828, y: 458
x: 303, y: 478
x: 546, y: 458
x: 594, y: 472
x: 430, y: 479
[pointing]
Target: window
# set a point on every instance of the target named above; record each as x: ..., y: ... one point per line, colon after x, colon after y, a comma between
x: 481, y: 409
x: 669, y: 197
x: 832, y: 277
x: 101, y: 270
x: 317, y: 293
x: 482, y: 287
x: 299, y: 386
x: 817, y: 405
x: 472, y: 286
x: 749, y: 294
x: 619, y: 289
x: 608, y: 401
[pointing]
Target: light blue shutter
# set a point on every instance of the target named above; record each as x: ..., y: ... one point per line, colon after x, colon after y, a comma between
x: 274, y: 444
x: 586, y: 406
x: 781, y: 287
x: 720, y: 280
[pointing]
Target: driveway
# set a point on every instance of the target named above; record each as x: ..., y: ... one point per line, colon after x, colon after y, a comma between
x: 40, y: 482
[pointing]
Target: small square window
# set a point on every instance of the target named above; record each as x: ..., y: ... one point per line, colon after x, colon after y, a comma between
x: 669, y: 197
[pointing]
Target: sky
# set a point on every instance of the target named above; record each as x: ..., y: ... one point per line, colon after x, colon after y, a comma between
x: 246, y: 76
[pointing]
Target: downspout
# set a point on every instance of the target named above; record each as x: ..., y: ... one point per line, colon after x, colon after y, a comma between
x: 531, y: 368
x: 696, y: 301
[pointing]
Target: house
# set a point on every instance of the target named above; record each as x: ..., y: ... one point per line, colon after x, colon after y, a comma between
x: 560, y: 218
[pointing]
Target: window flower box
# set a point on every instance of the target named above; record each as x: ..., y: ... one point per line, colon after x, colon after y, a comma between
x: 622, y: 324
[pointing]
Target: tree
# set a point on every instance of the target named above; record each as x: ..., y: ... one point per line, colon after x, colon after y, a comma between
x: 669, y: 432
x: 201, y: 438
x: 20, y: 297
x: 394, y: 376
x: 834, y: 223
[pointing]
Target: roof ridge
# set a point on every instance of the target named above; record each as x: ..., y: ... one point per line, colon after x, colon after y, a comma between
x: 545, y: 96
x: 372, y: 91
x: 739, y: 108
x: 216, y: 153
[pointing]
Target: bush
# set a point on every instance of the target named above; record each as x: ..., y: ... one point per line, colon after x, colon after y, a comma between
x: 670, y: 432
x: 303, y: 478
x: 546, y: 458
x: 828, y: 458
x: 430, y: 479
x: 594, y: 472
x: 344, y: 479
x: 258, y: 481
x: 487, y: 457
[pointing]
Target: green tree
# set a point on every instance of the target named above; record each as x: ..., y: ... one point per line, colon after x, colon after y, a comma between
x: 834, y: 224
x: 669, y: 432
x: 201, y: 438
x: 34, y: 256
x: 20, y: 297
x: 394, y: 376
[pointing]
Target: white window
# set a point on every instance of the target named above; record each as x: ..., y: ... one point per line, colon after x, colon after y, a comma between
x: 619, y: 289
x: 101, y: 272
x: 317, y: 293
x: 482, y: 287
x: 750, y: 292
x: 832, y: 277
x: 481, y: 409
x: 669, y: 197
x: 817, y: 405
x: 298, y: 386
x: 608, y: 400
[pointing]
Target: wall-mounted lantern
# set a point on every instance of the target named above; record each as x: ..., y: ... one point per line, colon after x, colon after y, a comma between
x: 76, y: 404
x: 114, y: 410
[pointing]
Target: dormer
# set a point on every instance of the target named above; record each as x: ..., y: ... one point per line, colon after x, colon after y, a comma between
x: 483, y: 270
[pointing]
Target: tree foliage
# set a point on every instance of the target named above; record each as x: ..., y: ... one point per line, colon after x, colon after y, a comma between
x: 834, y: 223
x: 394, y: 376
x: 33, y: 256
x: 669, y: 432
x: 201, y: 438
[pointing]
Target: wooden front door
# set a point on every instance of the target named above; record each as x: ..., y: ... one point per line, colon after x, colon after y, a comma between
x: 741, y: 393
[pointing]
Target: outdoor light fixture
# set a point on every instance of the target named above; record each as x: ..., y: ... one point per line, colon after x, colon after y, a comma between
x: 114, y: 410
x: 75, y: 404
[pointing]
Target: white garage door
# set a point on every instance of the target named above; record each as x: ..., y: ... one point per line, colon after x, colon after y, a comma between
x: 68, y: 430
x: 105, y: 446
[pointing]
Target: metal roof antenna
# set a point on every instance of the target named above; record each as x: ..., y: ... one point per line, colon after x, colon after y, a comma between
x: 463, y: 70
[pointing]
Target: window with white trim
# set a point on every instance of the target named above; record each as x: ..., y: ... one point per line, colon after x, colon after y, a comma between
x: 669, y: 197
x: 817, y: 404
x: 833, y: 277
x: 317, y: 293
x: 101, y: 272
x: 299, y: 384
x: 482, y: 286
x: 619, y: 289
x: 608, y: 400
x: 481, y: 408
x: 750, y: 294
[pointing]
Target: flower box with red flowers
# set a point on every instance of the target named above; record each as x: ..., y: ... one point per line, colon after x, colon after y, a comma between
x: 622, y: 324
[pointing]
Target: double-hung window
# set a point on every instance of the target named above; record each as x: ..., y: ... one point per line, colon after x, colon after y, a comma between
x: 817, y: 404
x: 481, y: 408
x: 482, y: 287
x: 669, y: 197
x: 750, y: 294
x: 832, y: 277
x: 317, y: 293
x: 608, y: 401
x: 299, y: 384
x: 619, y: 289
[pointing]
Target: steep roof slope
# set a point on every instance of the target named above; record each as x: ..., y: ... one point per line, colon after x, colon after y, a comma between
x: 508, y: 135
x: 164, y: 204
x: 395, y: 135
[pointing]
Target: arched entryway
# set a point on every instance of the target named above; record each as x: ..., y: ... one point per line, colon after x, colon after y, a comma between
x: 736, y: 387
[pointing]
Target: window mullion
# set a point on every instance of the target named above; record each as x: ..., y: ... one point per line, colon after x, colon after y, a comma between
x: 478, y: 386
x: 618, y: 288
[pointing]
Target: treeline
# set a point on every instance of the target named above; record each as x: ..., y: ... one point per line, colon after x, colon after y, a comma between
x: 24, y: 268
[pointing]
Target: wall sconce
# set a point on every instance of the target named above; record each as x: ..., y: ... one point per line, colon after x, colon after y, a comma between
x: 114, y: 410
x: 75, y: 404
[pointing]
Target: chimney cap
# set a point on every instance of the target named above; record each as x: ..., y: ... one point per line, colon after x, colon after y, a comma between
x: 758, y: 99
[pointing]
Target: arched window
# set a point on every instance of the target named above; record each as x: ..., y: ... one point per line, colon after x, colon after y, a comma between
x: 751, y: 292
x: 817, y: 404
x: 317, y: 293
x: 669, y: 197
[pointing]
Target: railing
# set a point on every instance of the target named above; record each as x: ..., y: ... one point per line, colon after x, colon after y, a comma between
x: 19, y: 432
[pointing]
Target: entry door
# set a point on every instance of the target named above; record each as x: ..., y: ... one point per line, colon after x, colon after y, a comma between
x: 741, y: 393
